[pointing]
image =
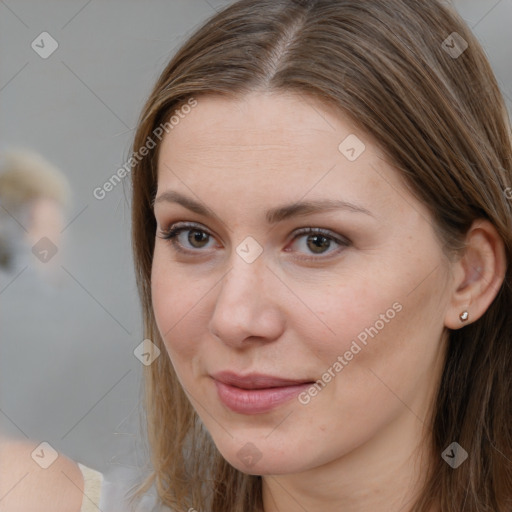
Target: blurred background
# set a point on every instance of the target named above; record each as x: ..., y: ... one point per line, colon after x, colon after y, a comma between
x: 74, y: 76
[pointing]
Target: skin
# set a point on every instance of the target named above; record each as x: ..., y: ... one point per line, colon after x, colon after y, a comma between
x: 46, y: 220
x: 357, y: 445
x: 26, y: 487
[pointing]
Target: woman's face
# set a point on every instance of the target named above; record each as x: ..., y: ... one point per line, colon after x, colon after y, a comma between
x: 302, y: 328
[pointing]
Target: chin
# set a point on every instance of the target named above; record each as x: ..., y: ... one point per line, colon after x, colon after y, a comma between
x: 264, y: 458
x: 269, y: 467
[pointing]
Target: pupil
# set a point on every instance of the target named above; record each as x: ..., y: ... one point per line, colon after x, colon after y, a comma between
x: 319, y: 242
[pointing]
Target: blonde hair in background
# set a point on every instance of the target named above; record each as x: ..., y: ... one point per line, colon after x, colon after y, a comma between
x: 26, y: 176
x: 442, y: 122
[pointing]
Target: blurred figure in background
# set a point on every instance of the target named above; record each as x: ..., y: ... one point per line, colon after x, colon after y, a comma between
x: 33, y: 198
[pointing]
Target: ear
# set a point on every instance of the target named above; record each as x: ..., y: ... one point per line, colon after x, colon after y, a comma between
x: 477, y: 275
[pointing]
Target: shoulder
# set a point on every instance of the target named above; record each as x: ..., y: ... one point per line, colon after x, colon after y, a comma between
x: 34, y: 477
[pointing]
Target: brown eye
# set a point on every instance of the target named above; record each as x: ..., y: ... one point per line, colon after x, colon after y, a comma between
x: 317, y: 243
x: 187, y: 237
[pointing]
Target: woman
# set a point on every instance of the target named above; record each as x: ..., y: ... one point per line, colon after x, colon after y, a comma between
x: 322, y: 233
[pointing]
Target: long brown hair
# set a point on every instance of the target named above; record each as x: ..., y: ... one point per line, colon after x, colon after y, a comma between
x: 399, y: 71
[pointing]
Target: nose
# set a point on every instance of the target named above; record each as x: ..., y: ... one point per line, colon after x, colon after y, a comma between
x: 247, y: 307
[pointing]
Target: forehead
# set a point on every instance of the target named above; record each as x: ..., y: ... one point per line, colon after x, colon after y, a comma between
x: 270, y: 121
x: 267, y: 148
x: 261, y: 131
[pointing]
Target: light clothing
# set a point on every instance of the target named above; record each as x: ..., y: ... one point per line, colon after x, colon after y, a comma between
x: 110, y: 493
x: 93, y: 482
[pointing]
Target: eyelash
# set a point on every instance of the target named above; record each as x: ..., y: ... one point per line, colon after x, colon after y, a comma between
x: 170, y: 234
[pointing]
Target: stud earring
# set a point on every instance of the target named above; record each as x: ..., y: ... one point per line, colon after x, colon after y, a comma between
x: 464, y: 316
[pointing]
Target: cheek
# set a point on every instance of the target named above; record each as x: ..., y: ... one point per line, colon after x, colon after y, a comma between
x: 378, y: 320
x: 177, y: 304
x: 356, y: 308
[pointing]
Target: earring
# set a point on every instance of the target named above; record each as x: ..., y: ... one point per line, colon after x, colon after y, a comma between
x: 464, y: 316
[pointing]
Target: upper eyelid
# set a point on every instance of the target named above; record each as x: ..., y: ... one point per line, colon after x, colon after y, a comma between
x: 191, y: 225
x: 184, y: 225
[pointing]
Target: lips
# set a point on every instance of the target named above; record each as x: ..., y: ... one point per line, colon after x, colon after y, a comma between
x: 256, y: 393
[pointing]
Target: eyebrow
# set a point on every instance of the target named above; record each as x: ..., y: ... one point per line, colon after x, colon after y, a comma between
x: 273, y: 215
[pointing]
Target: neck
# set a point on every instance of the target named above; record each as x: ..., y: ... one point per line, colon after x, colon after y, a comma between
x: 385, y: 474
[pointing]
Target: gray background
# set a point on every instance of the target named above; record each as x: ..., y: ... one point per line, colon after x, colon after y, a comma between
x: 67, y: 370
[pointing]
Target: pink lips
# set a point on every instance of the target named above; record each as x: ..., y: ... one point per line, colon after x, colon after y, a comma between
x: 255, y: 393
